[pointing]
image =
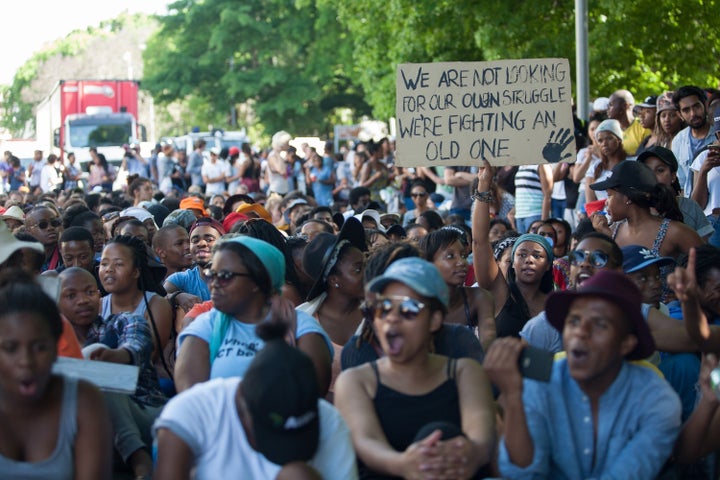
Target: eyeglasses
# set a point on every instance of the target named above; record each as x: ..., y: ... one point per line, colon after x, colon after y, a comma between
x: 409, y: 308
x: 418, y: 194
x: 223, y: 277
x: 597, y: 259
x: 44, y: 224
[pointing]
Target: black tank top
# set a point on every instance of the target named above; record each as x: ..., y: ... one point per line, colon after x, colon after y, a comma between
x: 401, y: 416
x: 513, y: 316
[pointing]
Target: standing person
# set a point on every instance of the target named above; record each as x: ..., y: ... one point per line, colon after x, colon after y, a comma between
x: 620, y: 108
x: 133, y: 162
x: 336, y: 265
x: 71, y: 174
x: 277, y: 168
x: 533, y: 191
x: 49, y: 177
x: 586, y: 159
x: 668, y: 121
x: 53, y: 426
x: 17, y: 174
x: 214, y: 174
x: 648, y: 111
x: 412, y: 412
x: 665, y: 166
x: 599, y: 416
x: 691, y: 102
x: 102, y: 174
x: 195, y: 163
x: 245, y: 279
x: 459, y: 179
x: 322, y: 180
x: 609, y: 138
x: 375, y: 175
x: 34, y: 171
x: 706, y: 191
x: 521, y: 294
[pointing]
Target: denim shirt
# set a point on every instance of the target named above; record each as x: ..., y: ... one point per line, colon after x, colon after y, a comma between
x: 638, y: 423
x: 682, y: 148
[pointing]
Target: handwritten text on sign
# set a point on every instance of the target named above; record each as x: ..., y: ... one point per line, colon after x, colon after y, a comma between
x: 510, y: 112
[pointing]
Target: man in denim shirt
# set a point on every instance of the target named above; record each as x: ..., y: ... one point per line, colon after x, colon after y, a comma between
x: 599, y: 416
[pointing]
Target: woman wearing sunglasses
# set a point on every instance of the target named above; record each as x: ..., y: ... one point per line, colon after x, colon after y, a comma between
x: 44, y: 224
x: 521, y: 295
x: 414, y: 414
x: 246, y: 276
x: 419, y: 195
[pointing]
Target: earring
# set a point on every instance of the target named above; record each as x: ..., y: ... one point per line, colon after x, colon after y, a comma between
x: 337, y: 285
x: 628, y: 202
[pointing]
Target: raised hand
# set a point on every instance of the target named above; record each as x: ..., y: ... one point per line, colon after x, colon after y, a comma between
x: 683, y: 280
x: 557, y: 143
x: 485, y: 176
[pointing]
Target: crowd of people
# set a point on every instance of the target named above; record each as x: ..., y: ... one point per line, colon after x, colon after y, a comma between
x: 335, y: 315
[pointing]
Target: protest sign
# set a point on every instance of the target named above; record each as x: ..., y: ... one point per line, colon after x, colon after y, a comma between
x: 510, y: 112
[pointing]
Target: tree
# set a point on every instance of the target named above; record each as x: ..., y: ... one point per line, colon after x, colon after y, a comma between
x: 286, y: 59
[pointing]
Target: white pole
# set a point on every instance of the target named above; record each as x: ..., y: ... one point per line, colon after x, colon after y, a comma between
x: 582, y: 68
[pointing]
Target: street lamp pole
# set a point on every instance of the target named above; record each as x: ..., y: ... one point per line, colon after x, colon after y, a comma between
x: 582, y: 68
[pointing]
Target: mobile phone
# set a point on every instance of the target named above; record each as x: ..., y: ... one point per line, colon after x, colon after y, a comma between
x: 536, y: 363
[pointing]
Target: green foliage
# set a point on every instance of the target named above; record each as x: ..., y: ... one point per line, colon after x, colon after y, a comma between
x: 285, y: 59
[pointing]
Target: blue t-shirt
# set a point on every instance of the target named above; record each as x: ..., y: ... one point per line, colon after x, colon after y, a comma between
x: 241, y: 344
x: 189, y: 281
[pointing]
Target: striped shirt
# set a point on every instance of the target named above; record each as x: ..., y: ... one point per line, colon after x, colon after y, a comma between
x: 528, y: 192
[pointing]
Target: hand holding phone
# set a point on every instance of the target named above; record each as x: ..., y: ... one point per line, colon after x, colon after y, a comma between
x: 536, y: 363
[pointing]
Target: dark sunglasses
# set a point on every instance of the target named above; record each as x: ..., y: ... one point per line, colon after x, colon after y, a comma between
x: 597, y: 259
x: 409, y: 308
x: 223, y: 277
x: 418, y: 194
x: 44, y: 224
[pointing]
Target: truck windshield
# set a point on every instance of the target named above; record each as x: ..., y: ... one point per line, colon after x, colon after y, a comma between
x: 98, y: 133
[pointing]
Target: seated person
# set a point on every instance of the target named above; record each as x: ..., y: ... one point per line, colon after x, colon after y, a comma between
x: 224, y: 426
x: 412, y: 413
x: 599, y: 416
x: 52, y: 426
x: 122, y: 338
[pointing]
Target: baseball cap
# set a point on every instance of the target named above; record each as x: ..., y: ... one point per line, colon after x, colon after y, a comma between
x: 665, y: 155
x: 193, y: 203
x: 629, y: 175
x: 617, y: 288
x: 418, y: 274
x: 281, y: 394
x: 637, y: 257
x: 372, y: 213
x: 184, y: 218
x: 233, y: 151
x: 207, y: 222
x: 232, y: 219
x: 664, y: 102
x: 9, y: 244
x: 254, y: 210
x: 649, y: 102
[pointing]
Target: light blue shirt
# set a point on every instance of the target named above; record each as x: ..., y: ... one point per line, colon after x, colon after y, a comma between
x: 682, y: 147
x: 240, y: 344
x: 638, y: 422
x: 539, y: 333
x: 190, y: 281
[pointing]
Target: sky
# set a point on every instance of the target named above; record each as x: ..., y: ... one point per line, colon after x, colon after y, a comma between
x: 30, y: 24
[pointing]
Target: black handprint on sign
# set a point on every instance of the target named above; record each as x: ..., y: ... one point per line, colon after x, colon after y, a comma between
x: 552, y: 152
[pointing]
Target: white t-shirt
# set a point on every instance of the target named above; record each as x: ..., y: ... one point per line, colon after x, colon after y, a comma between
x: 205, y: 417
x: 241, y: 344
x: 713, y: 182
x: 590, y: 178
x: 214, y: 170
x: 49, y: 178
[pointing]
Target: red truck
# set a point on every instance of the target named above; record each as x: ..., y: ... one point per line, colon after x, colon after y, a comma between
x: 79, y: 114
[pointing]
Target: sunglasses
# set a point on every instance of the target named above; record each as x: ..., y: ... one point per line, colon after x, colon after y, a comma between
x: 418, y: 195
x: 408, y: 308
x: 597, y: 259
x: 223, y: 277
x: 44, y: 224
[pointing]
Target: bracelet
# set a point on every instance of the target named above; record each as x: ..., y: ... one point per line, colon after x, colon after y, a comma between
x: 171, y: 298
x: 484, y: 197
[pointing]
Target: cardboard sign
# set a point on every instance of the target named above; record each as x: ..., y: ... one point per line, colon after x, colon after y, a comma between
x: 510, y: 112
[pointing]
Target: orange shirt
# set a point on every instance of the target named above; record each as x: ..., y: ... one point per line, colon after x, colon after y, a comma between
x: 68, y: 345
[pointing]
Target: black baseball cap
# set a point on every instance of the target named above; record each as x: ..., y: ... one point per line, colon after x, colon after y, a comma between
x: 665, y: 155
x: 629, y: 175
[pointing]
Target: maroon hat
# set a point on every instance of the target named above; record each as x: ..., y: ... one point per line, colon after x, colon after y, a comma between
x: 208, y: 222
x: 617, y: 288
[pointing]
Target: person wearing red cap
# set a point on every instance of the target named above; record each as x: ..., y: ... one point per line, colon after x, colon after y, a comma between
x: 598, y: 415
